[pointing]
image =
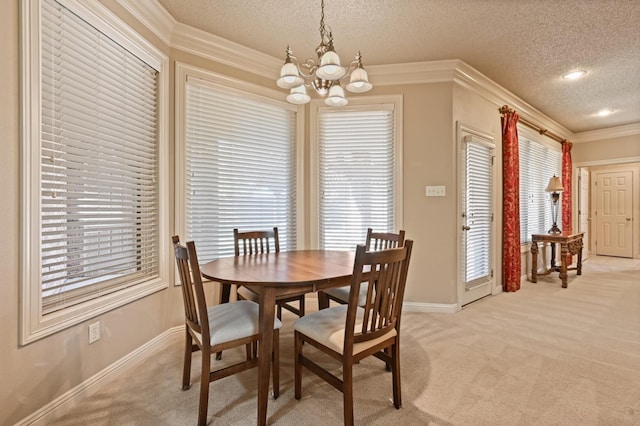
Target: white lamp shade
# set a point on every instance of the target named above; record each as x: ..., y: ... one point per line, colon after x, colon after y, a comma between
x: 359, y: 81
x: 330, y: 68
x: 336, y: 96
x: 289, y: 76
x: 555, y: 185
x: 298, y: 96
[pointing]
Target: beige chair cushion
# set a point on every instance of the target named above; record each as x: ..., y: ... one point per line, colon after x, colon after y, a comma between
x: 342, y: 293
x: 235, y: 320
x: 327, y: 327
x: 247, y: 294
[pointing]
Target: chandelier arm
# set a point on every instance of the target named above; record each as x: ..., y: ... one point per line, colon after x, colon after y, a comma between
x: 351, y: 68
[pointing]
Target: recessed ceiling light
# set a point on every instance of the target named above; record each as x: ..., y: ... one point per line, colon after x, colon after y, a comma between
x: 574, y: 75
x: 604, y: 112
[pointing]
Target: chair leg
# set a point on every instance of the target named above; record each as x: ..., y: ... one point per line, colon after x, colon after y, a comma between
x: 302, y: 306
x: 186, y: 370
x: 279, y: 311
x: 395, y: 371
x: 388, y: 352
x: 204, y: 387
x: 347, y: 392
x: 275, y: 364
x: 297, y: 365
x: 323, y: 300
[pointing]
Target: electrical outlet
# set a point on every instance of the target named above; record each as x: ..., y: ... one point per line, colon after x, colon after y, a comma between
x: 94, y: 332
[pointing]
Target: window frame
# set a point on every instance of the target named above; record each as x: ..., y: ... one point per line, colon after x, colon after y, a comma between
x: 34, y: 325
x: 183, y: 72
x: 354, y: 103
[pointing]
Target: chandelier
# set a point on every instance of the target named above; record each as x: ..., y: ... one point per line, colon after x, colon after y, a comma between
x: 325, y: 76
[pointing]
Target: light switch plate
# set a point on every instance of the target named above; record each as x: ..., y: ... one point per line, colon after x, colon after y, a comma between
x: 435, y: 191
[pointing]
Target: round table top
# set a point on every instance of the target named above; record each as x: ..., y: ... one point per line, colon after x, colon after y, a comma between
x: 289, y: 267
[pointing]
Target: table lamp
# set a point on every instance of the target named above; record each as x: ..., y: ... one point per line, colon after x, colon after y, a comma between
x: 555, y: 187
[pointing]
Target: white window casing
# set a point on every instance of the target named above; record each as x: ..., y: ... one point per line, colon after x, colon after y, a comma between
x: 356, y: 162
x: 94, y: 149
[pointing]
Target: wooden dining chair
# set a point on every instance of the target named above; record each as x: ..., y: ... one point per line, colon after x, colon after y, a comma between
x: 375, y: 241
x: 258, y: 242
x: 210, y: 329
x: 352, y: 332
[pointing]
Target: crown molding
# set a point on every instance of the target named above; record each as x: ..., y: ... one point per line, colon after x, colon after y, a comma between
x: 610, y: 133
x: 153, y: 16
x: 200, y: 43
x: 204, y: 44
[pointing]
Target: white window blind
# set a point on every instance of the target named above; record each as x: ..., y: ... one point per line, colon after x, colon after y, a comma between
x: 356, y: 168
x: 478, y: 210
x: 538, y: 163
x: 99, y: 163
x: 240, y: 168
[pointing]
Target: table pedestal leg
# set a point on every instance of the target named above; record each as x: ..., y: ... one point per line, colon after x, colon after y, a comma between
x: 267, y: 315
x: 564, y: 253
x: 534, y: 262
x: 579, y: 265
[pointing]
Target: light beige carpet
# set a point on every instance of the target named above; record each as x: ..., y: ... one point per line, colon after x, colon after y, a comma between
x: 541, y: 356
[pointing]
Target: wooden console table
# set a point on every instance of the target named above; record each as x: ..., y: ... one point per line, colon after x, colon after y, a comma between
x: 569, y: 244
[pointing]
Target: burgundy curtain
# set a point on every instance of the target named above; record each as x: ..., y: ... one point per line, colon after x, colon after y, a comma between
x: 511, y: 257
x: 566, y: 194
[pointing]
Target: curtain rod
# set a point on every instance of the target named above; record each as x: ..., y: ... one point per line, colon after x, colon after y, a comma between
x: 505, y: 109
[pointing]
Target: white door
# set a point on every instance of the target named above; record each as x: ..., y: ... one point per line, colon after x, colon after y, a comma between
x: 477, y: 218
x: 583, y: 210
x: 613, y: 213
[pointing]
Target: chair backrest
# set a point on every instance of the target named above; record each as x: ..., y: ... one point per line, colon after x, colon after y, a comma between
x: 383, y: 240
x: 195, y: 305
x: 385, y: 271
x: 256, y: 242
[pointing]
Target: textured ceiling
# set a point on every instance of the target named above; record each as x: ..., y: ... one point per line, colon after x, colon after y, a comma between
x: 523, y: 45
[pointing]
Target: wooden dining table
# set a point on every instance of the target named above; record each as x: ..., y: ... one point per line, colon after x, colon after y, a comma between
x: 278, y: 275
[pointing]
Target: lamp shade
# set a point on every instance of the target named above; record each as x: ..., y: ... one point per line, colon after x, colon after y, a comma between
x: 336, y: 96
x: 330, y: 68
x: 289, y: 76
x: 359, y: 81
x: 555, y: 185
x: 298, y: 96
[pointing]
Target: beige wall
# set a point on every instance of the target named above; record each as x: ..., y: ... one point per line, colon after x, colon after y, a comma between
x: 34, y: 375
x: 606, y: 150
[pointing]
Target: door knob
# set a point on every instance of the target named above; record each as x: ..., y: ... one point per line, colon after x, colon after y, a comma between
x: 628, y: 219
x: 466, y: 228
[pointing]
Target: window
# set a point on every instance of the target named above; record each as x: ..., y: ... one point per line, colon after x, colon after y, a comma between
x: 538, y: 163
x: 359, y: 172
x: 93, y: 166
x: 238, y: 164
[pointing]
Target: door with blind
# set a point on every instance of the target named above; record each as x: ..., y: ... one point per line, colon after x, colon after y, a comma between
x: 476, y: 222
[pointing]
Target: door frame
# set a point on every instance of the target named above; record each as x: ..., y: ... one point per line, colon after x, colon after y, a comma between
x: 583, y: 172
x: 463, y: 130
x: 604, y: 165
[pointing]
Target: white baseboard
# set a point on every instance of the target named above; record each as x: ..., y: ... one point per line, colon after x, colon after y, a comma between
x: 89, y: 386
